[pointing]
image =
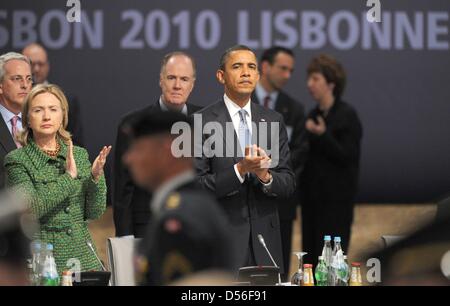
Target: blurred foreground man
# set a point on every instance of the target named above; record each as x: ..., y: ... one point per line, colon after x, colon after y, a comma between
x: 14, y: 243
x: 422, y: 259
x: 188, y: 231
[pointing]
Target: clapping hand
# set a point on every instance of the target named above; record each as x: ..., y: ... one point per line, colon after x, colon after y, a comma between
x: 99, y: 163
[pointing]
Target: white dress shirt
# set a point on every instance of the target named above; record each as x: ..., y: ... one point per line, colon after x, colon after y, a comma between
x: 233, y: 110
x: 261, y: 93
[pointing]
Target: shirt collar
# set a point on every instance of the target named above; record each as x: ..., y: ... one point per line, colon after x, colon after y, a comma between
x: 7, y: 114
x: 163, y: 191
x: 261, y: 93
x: 164, y: 107
x: 233, y: 108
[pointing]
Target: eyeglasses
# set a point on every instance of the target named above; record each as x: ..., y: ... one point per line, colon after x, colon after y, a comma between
x: 17, y: 79
x: 39, y: 64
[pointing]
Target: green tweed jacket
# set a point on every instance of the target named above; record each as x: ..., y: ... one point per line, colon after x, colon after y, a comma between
x: 60, y: 203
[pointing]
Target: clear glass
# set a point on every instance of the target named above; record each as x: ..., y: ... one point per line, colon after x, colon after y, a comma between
x: 298, y: 276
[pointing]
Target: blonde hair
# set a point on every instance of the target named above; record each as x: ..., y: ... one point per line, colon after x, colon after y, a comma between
x: 26, y: 133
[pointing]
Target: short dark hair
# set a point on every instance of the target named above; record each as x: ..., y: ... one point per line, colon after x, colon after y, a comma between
x: 168, y: 56
x: 332, y: 71
x: 226, y: 54
x: 156, y: 123
x: 270, y: 54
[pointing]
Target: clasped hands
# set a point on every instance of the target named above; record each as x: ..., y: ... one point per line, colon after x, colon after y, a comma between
x: 255, y: 161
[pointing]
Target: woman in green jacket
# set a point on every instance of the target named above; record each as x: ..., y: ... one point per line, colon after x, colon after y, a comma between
x: 63, y: 189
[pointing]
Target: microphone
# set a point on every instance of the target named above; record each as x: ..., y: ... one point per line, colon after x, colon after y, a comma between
x: 263, y: 243
x: 89, y: 244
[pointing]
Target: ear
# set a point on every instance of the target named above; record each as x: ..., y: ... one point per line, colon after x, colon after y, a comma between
x: 264, y: 66
x: 160, y: 80
x: 219, y: 76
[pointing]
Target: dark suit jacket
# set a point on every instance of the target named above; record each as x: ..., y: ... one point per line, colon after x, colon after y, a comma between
x: 74, y: 125
x: 251, y: 209
x: 7, y: 145
x: 293, y: 114
x: 330, y: 177
x: 131, y: 203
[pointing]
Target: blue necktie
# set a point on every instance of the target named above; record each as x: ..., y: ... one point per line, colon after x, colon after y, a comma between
x: 244, y: 132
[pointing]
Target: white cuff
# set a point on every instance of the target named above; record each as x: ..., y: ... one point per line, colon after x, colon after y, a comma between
x: 269, y: 183
x: 240, y: 178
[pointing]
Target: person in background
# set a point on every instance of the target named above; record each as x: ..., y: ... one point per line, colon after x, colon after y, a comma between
x: 130, y: 203
x: 188, y: 233
x: 41, y: 68
x: 277, y: 65
x: 65, y: 191
x: 15, y: 83
x: 329, y: 181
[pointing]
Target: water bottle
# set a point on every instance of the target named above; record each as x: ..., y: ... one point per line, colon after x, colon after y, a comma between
x: 339, y: 267
x: 36, y: 263
x: 50, y: 273
x: 327, y: 251
x: 327, y: 255
x: 321, y: 273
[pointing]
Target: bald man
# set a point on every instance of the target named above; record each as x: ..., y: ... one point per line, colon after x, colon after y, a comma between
x: 41, y: 69
x: 131, y: 203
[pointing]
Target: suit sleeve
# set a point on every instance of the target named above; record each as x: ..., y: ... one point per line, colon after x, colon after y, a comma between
x: 222, y: 183
x: 42, y: 201
x: 75, y: 124
x: 344, y: 146
x: 123, y: 187
x: 283, y: 184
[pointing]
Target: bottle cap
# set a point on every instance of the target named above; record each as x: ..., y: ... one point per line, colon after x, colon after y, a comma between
x: 36, y: 245
x: 306, y: 266
x: 49, y: 247
x: 327, y: 238
x: 337, y: 239
x: 345, y: 257
x: 320, y: 258
x: 356, y: 264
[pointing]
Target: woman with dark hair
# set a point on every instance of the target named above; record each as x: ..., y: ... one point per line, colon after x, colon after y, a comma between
x: 330, y: 177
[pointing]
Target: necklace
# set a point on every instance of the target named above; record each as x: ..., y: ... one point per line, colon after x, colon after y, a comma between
x: 53, y: 153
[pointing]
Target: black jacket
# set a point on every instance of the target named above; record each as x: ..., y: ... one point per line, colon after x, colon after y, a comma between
x: 331, y: 171
x: 7, y: 145
x: 131, y: 203
x: 293, y: 114
x: 251, y: 209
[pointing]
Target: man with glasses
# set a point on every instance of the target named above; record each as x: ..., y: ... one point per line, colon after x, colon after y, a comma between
x: 15, y: 84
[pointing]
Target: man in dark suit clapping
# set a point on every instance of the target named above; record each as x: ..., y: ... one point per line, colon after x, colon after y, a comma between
x: 250, y: 187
